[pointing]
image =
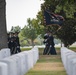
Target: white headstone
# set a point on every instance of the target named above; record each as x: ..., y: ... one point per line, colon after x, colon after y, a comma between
x: 3, y: 69
x: 12, y: 69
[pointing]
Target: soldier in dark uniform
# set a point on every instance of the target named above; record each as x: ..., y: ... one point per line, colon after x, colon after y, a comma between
x: 52, y: 50
x: 11, y: 42
x: 49, y: 49
x: 47, y: 43
x: 17, y: 43
x: 8, y: 38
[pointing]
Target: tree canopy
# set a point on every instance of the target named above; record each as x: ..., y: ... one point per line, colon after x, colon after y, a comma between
x: 29, y: 32
x: 15, y: 29
x: 66, y: 8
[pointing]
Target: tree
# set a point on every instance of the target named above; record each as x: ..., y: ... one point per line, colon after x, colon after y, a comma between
x: 67, y: 33
x: 3, y: 31
x: 15, y: 29
x: 29, y: 31
x: 67, y: 9
x: 38, y: 25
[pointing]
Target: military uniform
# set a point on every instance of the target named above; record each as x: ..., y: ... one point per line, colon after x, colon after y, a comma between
x: 17, y: 43
x: 49, y: 49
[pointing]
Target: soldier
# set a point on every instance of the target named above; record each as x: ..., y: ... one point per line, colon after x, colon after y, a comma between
x: 8, y: 39
x: 52, y: 50
x: 11, y: 42
x: 47, y: 42
x: 17, y: 43
x: 49, y: 49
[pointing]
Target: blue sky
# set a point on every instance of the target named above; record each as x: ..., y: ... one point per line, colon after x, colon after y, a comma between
x: 17, y: 11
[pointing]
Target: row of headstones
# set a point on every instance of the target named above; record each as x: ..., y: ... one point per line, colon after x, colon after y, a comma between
x: 18, y: 64
x: 69, y: 60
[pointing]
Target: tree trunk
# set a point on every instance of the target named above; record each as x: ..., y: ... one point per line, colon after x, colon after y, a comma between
x: 66, y: 45
x: 3, y: 31
x: 32, y: 41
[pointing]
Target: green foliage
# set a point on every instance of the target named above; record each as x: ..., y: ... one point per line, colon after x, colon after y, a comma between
x: 66, y: 8
x: 15, y: 29
x: 29, y: 32
x: 68, y: 32
x: 39, y: 24
x: 24, y: 43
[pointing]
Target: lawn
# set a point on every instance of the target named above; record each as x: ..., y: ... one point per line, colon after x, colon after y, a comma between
x: 48, y: 65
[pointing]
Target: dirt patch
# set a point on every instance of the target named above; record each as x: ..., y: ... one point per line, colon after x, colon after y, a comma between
x: 54, y: 66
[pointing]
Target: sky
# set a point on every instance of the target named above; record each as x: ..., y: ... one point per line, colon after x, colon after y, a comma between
x: 17, y: 12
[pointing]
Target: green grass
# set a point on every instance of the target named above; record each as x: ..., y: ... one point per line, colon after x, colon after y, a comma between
x: 46, y: 73
x: 25, y: 49
x: 72, y: 48
x: 49, y: 58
